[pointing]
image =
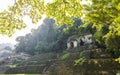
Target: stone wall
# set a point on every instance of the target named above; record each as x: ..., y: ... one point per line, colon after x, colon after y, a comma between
x: 75, y: 41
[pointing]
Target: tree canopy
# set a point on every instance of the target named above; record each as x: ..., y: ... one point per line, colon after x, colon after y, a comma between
x: 60, y: 10
x: 100, y: 13
x: 105, y: 13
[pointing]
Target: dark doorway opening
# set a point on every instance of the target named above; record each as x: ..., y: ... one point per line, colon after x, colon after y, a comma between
x: 81, y: 42
x: 71, y: 44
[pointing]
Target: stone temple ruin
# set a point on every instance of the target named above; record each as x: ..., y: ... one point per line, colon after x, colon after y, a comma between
x: 79, y: 40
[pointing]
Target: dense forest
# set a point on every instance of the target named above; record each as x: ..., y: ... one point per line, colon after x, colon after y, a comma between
x: 51, y: 37
x: 48, y: 37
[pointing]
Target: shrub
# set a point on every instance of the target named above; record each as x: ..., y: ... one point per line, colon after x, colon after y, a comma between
x: 65, y: 56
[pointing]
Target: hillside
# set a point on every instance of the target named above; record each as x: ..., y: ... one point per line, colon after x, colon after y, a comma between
x: 100, y: 63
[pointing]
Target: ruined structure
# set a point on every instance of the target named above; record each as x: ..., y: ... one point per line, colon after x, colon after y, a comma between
x: 79, y: 40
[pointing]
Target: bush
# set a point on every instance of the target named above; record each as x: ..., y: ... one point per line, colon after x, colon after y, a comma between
x: 65, y: 56
x: 81, y: 59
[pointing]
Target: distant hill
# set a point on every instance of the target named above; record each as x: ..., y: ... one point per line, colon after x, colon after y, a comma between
x: 3, y: 45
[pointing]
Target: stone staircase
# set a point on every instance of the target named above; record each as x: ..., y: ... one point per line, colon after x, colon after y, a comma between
x: 97, y: 62
x: 35, y: 65
x: 29, y: 69
x: 89, y: 67
x: 89, y: 53
x: 98, y: 67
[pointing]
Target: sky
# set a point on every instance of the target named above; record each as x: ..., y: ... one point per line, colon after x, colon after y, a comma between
x: 5, y: 39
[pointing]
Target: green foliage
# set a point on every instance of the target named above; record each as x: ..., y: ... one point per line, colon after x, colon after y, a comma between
x: 65, y: 56
x: 81, y: 60
x: 118, y: 59
x: 60, y: 10
x: 99, y: 36
x: 9, y: 23
x: 112, y: 39
x: 44, y: 39
x: 13, y: 66
x: 42, y: 47
x: 118, y: 73
x: 74, y: 28
x: 102, y: 14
